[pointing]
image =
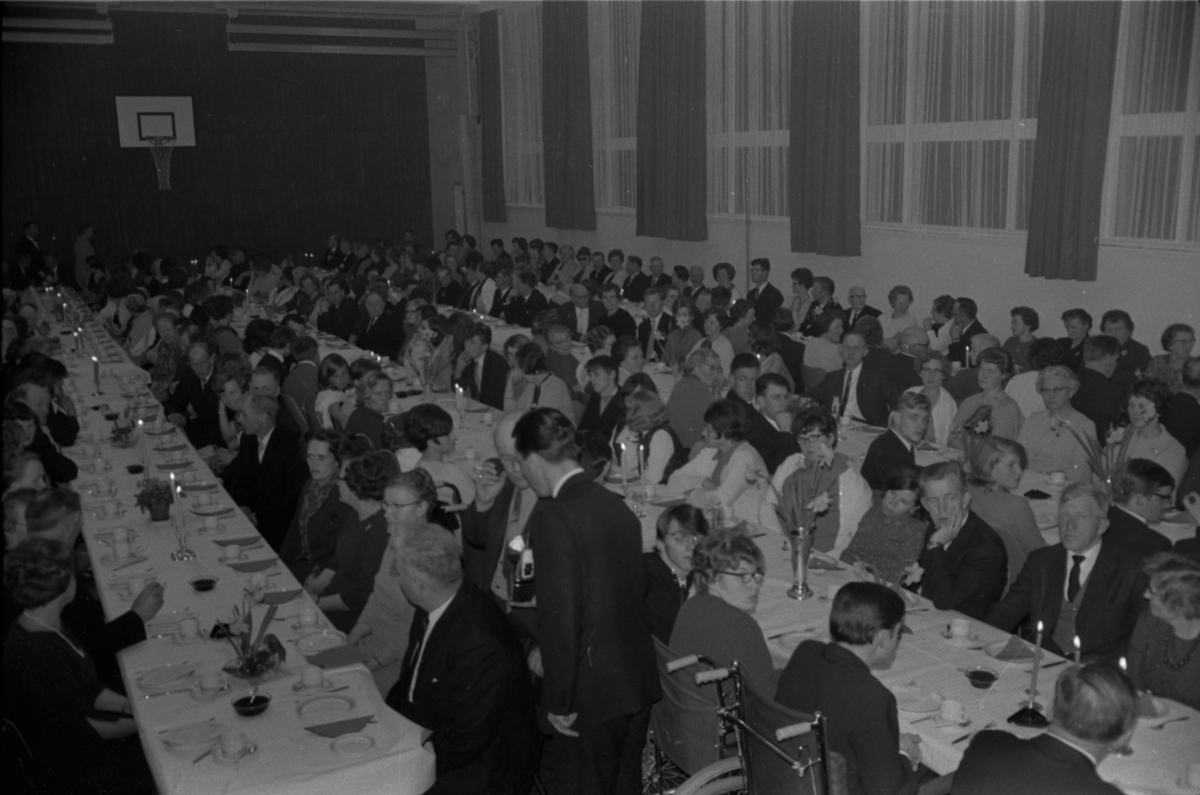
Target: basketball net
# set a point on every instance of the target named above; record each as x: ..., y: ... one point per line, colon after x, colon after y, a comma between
x: 161, y: 149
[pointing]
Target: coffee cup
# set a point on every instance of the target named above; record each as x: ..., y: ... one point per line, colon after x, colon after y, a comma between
x: 120, y: 534
x: 233, y: 743
x: 312, y: 676
x: 189, y: 628
x: 204, y: 498
x: 210, y: 681
x: 121, y: 550
x: 232, y: 552
x: 953, y: 711
x: 960, y: 628
x: 308, y: 616
x: 258, y: 580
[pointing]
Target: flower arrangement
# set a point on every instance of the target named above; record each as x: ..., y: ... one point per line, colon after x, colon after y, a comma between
x: 153, y: 495
x: 1104, y: 462
x: 253, y: 658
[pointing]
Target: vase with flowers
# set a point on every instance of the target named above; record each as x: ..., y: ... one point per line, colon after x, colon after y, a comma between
x: 257, y: 655
x: 154, y: 497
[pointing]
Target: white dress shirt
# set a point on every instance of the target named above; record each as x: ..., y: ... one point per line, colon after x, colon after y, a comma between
x: 851, y: 408
x: 1085, y: 567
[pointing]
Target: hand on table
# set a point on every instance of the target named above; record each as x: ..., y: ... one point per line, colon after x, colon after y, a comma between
x: 913, y: 574
x: 147, y: 603
x: 562, y: 723
x: 910, y: 746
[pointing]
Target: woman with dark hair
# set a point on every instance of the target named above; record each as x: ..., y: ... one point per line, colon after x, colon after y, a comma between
x: 1177, y: 340
x: 991, y: 412
x: 430, y: 429
x: 257, y: 339
x: 231, y: 386
x: 669, y: 566
x: 321, y: 515
x: 81, y: 734
x: 58, y: 467
x: 764, y: 343
x: 342, y: 589
x: 374, y: 393
x: 600, y: 342
x: 713, y: 323
x: 683, y: 337
x: 938, y: 323
x: 1025, y: 321
x: 169, y: 355
x: 333, y: 378
x: 430, y: 358
x: 822, y: 352
x: 891, y: 535
x: 871, y: 330
x: 738, y: 468
x: 996, y: 465
x: 1147, y: 409
x: 219, y: 309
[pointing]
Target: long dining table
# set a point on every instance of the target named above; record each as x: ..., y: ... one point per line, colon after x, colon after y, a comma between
x: 337, y: 736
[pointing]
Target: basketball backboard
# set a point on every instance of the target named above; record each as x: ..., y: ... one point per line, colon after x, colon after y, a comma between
x: 141, y: 118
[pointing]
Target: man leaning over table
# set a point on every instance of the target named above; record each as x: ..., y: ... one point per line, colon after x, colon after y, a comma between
x: 1095, y: 713
x: 1085, y: 585
x: 964, y: 565
x: 865, y: 624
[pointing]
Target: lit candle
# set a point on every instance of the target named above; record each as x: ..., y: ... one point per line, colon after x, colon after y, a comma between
x: 621, y: 465
x: 1124, y: 667
x: 76, y: 343
x: 96, y: 373
x: 1037, y: 663
x: 1077, y: 649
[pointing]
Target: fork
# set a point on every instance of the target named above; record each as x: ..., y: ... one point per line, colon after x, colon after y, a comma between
x: 1159, y: 726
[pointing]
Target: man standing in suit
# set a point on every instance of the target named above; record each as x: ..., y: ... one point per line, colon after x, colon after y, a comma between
x: 482, y: 373
x: 963, y: 316
x: 597, y: 654
x: 1085, y: 586
x: 862, y: 387
x: 1095, y: 712
x: 527, y: 302
x: 464, y: 675
x: 551, y: 265
x: 636, y: 282
x: 193, y: 405
x: 896, y: 448
x: 1142, y: 492
x: 582, y: 313
x: 1098, y: 397
x: 765, y: 296
x: 28, y: 246
x: 865, y: 623
x: 269, y: 471
x: 301, y: 385
x: 616, y: 318
x: 655, y: 326
x: 964, y: 565
x: 859, y: 307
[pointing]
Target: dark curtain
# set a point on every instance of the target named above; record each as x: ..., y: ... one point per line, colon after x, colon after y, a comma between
x: 1079, y: 51
x: 289, y: 147
x: 672, y: 189
x: 823, y: 140
x: 491, y: 120
x: 567, y: 116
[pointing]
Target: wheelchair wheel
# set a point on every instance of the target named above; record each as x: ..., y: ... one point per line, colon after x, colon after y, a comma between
x: 718, y: 778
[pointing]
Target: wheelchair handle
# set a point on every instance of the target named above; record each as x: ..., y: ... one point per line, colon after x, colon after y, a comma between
x: 715, y: 675
x: 795, y: 730
x: 682, y: 662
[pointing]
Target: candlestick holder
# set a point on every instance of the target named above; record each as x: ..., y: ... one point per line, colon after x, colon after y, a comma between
x: 183, y: 553
x: 799, y: 542
x: 1030, y: 715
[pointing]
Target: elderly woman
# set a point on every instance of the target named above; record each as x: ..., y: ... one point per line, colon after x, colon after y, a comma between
x: 900, y: 298
x: 605, y: 409
x: 700, y: 384
x: 311, y: 541
x: 891, y: 535
x: 992, y: 411
x: 995, y: 467
x: 739, y: 478
x: 1147, y: 406
x: 1050, y: 436
x: 374, y: 392
x: 430, y: 429
x: 941, y: 415
x: 727, y: 567
x: 683, y: 338
x: 1178, y: 341
x: 669, y: 566
x: 822, y: 352
x: 381, y: 631
x: 343, y: 588
x: 764, y: 343
x: 333, y: 378
x: 1163, y: 657
x: 714, y: 322
x: 651, y: 449
x: 816, y: 489
x: 74, y: 726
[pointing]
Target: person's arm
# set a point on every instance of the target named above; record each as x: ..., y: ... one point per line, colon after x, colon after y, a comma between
x: 352, y: 589
x: 875, y: 746
x: 856, y: 499
x: 949, y: 587
x: 661, y: 450
x: 1017, y: 603
x: 1007, y: 419
x: 559, y: 582
x: 480, y: 674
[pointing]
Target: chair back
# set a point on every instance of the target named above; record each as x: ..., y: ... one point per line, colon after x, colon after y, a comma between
x: 684, y: 722
x: 772, y: 775
x: 811, y: 377
x: 296, y: 414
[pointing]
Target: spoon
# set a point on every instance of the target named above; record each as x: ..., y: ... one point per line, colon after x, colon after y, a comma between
x: 1159, y: 726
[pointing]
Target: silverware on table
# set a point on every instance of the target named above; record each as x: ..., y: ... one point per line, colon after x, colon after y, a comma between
x: 130, y: 563
x: 1054, y: 664
x: 203, y: 755
x: 1159, y: 726
x: 922, y: 720
x: 166, y: 693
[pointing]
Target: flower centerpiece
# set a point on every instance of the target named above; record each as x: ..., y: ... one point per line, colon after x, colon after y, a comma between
x: 122, y: 435
x: 255, y: 658
x: 1104, y: 461
x: 155, y: 496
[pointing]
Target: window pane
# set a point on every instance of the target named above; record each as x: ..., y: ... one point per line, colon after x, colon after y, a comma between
x: 1159, y: 39
x: 1148, y: 186
x: 521, y: 88
x: 1194, y: 216
x: 614, y: 31
x: 1025, y: 150
x: 963, y: 183
x: 885, y: 182
x: 965, y: 61
x: 887, y: 32
x: 1033, y: 61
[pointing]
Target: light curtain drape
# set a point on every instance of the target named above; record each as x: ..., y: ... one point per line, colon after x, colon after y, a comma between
x: 824, y: 127
x: 614, y: 35
x: 567, y: 116
x: 521, y: 78
x: 671, y: 164
x: 491, y: 120
x: 1078, y: 60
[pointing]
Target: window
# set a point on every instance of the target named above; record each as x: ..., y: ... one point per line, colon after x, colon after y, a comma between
x: 521, y: 102
x: 614, y: 38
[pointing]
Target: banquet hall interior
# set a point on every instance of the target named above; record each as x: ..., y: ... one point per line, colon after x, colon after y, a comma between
x: 832, y: 364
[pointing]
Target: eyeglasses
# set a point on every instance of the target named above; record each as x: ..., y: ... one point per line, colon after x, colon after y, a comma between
x: 746, y: 577
x: 812, y: 437
x: 1054, y: 390
x: 395, y: 506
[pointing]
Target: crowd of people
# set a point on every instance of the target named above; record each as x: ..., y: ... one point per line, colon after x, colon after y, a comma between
x: 430, y: 567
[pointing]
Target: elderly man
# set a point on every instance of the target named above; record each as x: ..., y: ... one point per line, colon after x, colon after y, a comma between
x: 1141, y: 493
x: 1078, y: 323
x: 637, y: 281
x: 193, y: 404
x: 656, y: 325
x: 861, y: 389
x: 896, y: 449
x: 527, y: 302
x: 964, y: 565
x: 859, y: 308
x: 463, y: 676
x: 378, y: 332
x: 657, y: 278
x: 966, y: 326
x: 596, y: 650
x: 1099, y: 397
x: 765, y: 296
x: 1047, y: 435
x: 1086, y: 585
x: 1132, y: 356
x: 695, y: 282
x: 904, y: 364
x: 582, y: 313
x: 268, y: 473
x: 1095, y: 712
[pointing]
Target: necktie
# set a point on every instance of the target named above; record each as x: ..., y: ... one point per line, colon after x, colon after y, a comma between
x: 370, y: 323
x: 537, y: 395
x: 262, y: 449
x: 1073, y: 579
x: 846, y: 393
x: 414, y: 654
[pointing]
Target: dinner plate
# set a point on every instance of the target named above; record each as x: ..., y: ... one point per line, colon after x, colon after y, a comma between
x: 167, y: 676
x: 352, y: 745
x: 167, y: 623
x: 245, y: 542
x: 160, y: 431
x: 211, y: 510
x: 174, y: 466
x: 252, y: 566
x: 171, y: 448
x: 321, y: 640
x: 194, y: 487
x: 193, y: 736
x: 999, y: 650
x: 916, y: 700
x: 326, y: 707
x: 791, y: 640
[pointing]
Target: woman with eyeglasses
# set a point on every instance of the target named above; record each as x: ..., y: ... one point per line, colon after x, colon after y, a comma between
x: 342, y: 589
x: 311, y: 540
x: 1054, y: 438
x: 942, y: 406
x: 669, y: 567
x: 727, y: 569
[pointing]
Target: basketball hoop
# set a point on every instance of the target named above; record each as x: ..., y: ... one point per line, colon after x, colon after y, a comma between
x: 161, y: 148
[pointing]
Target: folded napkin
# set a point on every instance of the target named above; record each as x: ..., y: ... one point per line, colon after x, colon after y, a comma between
x: 337, y: 658
x: 252, y: 566
x: 340, y: 727
x: 279, y: 597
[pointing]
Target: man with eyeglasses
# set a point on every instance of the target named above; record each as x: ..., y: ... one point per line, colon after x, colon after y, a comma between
x: 1086, y: 586
x: 582, y: 313
x: 193, y: 404
x: 1142, y: 492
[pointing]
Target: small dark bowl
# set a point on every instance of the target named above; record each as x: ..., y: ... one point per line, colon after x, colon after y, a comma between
x: 982, y: 678
x: 250, y: 706
x: 111, y: 415
x: 135, y: 469
x: 205, y: 583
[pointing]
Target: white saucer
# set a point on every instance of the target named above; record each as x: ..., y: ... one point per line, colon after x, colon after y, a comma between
x: 325, y: 686
x: 946, y: 636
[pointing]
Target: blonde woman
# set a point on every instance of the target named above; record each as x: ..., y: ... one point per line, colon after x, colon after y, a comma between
x: 648, y: 441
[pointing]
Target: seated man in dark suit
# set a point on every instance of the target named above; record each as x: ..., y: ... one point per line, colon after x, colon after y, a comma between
x: 868, y: 394
x: 337, y: 314
x: 582, y: 313
x: 636, y: 282
x: 865, y: 623
x: 269, y: 471
x: 616, y: 318
x: 1181, y: 417
x: 378, y: 331
x: 1095, y: 713
x: 859, y: 308
x: 902, y: 365
x: 1085, y: 586
x: 1099, y: 398
x: 482, y: 373
x: 963, y: 316
x: 772, y: 443
x: 527, y: 301
x: 193, y: 405
x: 896, y: 448
x: 1141, y: 494
x: 464, y: 676
x: 964, y: 565
x: 655, y: 326
x: 771, y: 424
